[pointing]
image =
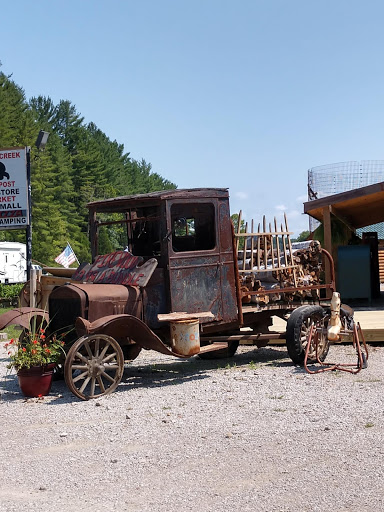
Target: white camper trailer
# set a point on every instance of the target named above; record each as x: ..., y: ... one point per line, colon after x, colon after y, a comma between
x: 13, y: 262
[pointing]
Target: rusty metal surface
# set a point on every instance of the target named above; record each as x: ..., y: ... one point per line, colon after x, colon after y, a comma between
x: 21, y: 316
x: 237, y: 278
x: 196, y: 287
x: 120, y: 326
x: 204, y: 280
x: 244, y: 337
x: 98, y: 300
x: 120, y: 267
x: 332, y: 268
x: 118, y: 203
x: 358, y: 341
x: 154, y: 299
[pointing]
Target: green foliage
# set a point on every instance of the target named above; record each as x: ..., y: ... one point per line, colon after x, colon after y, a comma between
x: 235, y: 222
x: 80, y: 164
x: 303, y: 236
x: 10, y: 291
x: 341, y: 234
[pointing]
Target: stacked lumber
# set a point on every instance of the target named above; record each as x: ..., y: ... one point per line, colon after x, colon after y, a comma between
x: 381, y: 264
x: 272, y: 268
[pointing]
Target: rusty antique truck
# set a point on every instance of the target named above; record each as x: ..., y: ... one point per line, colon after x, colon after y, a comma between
x: 182, y: 282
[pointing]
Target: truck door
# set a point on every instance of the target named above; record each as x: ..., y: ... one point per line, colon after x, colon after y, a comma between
x: 200, y: 273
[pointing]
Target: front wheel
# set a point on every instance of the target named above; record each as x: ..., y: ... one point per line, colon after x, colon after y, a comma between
x: 94, y: 366
x: 298, y: 327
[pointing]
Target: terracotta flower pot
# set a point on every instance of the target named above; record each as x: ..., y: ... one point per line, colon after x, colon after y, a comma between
x: 36, y: 381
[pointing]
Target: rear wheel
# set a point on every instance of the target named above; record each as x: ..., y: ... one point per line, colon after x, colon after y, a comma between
x: 131, y: 351
x: 94, y: 366
x: 298, y: 328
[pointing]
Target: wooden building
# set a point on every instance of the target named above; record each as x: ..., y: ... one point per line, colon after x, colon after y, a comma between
x: 357, y: 269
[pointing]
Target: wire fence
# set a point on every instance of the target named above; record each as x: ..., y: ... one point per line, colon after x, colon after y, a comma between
x: 326, y: 180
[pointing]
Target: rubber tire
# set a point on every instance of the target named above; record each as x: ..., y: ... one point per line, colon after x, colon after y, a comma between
x: 130, y: 352
x: 296, y: 350
x: 222, y: 353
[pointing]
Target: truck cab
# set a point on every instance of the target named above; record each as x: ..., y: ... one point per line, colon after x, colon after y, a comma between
x: 189, y: 234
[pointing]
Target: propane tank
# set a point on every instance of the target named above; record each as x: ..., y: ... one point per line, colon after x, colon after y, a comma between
x: 334, y: 326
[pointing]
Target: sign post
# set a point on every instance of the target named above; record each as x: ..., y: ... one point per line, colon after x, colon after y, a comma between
x: 15, y: 193
x: 29, y: 225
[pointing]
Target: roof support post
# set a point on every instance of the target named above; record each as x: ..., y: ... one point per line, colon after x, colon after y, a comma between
x: 327, y: 244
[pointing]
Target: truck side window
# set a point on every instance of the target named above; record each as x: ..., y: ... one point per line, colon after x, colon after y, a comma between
x: 193, y: 227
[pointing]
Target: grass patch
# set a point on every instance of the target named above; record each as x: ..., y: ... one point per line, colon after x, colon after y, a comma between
x: 13, y: 331
x: 369, y: 425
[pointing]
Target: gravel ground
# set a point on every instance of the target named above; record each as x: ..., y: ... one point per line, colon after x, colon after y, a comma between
x: 253, y: 433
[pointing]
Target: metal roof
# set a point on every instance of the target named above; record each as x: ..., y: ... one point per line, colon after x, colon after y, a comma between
x: 134, y: 200
x: 359, y: 207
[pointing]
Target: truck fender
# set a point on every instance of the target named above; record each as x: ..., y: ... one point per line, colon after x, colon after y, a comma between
x: 120, y: 326
x: 22, y: 317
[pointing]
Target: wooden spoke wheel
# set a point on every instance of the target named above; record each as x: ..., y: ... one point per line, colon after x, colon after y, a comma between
x: 94, y: 366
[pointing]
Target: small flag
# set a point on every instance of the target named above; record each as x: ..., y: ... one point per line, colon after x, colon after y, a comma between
x: 66, y: 257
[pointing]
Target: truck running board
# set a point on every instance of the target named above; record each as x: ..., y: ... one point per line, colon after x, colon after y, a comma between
x: 212, y: 347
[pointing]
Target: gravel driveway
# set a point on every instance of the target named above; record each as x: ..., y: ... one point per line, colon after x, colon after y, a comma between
x: 253, y: 433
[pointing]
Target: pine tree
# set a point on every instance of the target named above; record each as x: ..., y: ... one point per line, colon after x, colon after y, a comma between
x: 79, y: 164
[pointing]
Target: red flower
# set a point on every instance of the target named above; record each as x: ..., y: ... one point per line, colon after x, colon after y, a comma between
x: 12, y: 340
x: 34, y: 342
x: 42, y: 336
x: 6, y: 345
x: 24, y: 349
x: 34, y: 351
x: 47, y: 351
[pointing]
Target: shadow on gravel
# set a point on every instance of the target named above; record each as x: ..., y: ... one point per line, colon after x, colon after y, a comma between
x: 170, y: 372
x: 175, y: 372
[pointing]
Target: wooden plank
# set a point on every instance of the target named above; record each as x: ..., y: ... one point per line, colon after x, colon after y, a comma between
x: 277, y: 245
x: 284, y: 247
x: 272, y: 248
x: 327, y: 243
x: 238, y: 231
x: 252, y: 246
x: 212, y: 347
x: 265, y: 243
x: 171, y: 317
x: 268, y: 233
x: 290, y: 250
x: 245, y: 246
x: 269, y: 269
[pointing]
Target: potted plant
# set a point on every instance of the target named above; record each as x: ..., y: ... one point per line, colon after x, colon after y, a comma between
x: 34, y: 356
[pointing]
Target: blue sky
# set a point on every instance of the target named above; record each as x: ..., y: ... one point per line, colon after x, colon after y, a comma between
x: 214, y: 93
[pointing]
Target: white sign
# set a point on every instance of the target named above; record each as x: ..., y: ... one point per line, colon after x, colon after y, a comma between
x: 13, y: 188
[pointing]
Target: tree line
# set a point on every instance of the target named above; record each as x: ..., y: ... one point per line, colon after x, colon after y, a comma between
x: 80, y: 164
